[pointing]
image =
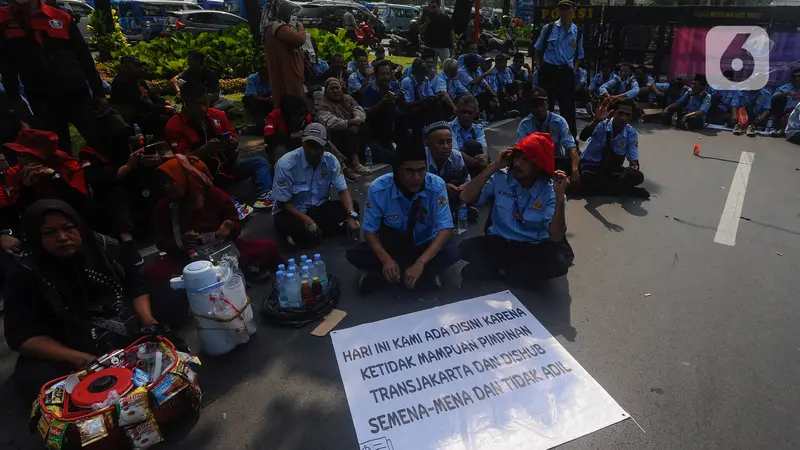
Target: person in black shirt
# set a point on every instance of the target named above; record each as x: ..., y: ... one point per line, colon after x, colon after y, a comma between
x: 70, y: 291
x: 438, y: 31
x: 199, y: 73
x: 136, y: 103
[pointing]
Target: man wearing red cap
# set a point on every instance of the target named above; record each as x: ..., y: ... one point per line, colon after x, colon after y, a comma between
x: 523, y: 241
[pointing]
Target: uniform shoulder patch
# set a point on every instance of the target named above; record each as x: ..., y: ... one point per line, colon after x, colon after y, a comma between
x: 56, y: 24
x: 441, y: 201
x: 537, y: 205
x: 368, y: 204
x: 281, y: 182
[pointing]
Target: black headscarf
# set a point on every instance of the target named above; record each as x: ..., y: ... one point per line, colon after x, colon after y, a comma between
x: 87, y: 284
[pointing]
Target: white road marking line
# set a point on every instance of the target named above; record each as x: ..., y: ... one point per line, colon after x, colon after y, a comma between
x: 729, y: 222
x: 499, y: 123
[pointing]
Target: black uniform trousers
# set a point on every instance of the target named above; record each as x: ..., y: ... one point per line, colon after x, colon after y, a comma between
x: 330, y: 217
x: 559, y: 82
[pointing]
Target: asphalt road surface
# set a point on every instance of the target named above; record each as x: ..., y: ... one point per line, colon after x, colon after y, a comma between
x: 697, y: 340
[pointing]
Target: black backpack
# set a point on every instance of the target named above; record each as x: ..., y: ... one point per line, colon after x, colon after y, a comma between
x: 548, y: 29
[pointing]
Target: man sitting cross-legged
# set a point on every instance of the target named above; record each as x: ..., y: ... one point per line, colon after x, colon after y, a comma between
x: 303, y: 180
x: 407, y: 226
x: 612, y: 141
x: 692, y: 108
x: 469, y: 137
x: 527, y: 219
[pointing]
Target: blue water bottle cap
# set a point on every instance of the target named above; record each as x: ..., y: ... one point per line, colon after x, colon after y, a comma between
x: 317, y: 257
x: 290, y: 276
x: 292, y: 261
x: 304, y: 269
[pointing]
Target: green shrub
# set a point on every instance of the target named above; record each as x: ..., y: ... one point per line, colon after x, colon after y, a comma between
x: 231, y: 53
x: 329, y: 43
x: 108, y: 42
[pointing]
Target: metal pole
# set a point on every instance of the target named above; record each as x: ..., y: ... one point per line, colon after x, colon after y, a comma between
x: 477, y: 20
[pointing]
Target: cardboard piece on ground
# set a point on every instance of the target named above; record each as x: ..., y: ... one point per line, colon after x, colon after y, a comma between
x: 652, y: 111
x: 331, y: 320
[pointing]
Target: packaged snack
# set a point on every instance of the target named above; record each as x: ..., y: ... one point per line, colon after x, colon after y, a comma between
x: 144, y: 435
x: 140, y: 377
x: 92, y: 429
x: 54, y: 397
x: 48, y: 415
x: 133, y: 408
x: 170, y: 385
x: 55, y: 436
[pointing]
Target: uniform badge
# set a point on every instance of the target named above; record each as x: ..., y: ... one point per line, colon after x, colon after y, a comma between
x: 281, y: 182
x: 368, y: 204
x: 573, y: 43
x: 553, y: 131
x: 441, y: 201
x: 56, y: 24
x: 537, y: 205
x: 216, y: 122
x: 323, y: 174
x: 621, y: 144
x: 12, y: 25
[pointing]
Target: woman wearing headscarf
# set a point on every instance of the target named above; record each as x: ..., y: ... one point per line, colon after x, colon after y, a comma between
x: 71, y: 300
x: 283, y: 49
x: 344, y: 119
x: 194, y: 213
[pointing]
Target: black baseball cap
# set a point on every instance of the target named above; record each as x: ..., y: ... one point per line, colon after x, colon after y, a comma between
x: 538, y: 93
x: 566, y: 3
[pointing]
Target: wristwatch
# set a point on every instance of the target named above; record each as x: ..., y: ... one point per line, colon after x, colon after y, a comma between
x: 6, y: 232
x: 353, y: 215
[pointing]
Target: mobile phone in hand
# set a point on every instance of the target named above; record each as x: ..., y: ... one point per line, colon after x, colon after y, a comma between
x: 225, y: 137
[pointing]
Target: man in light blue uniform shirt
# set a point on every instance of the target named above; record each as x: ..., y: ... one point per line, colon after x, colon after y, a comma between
x: 612, y: 141
x: 541, y: 120
x: 645, y: 81
x: 469, y: 137
x: 757, y: 104
x: 447, y: 82
x: 303, y: 181
x: 558, y: 50
x: 472, y: 77
x: 599, y: 79
x: 448, y: 163
x: 257, y: 98
x: 784, y: 100
x: 509, y: 91
x: 692, y: 108
x: 525, y: 240
x: 361, y: 77
x: 407, y: 226
x: 582, y: 98
x: 623, y: 85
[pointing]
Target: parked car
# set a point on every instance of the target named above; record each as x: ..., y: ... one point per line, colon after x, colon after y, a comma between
x: 197, y: 22
x: 327, y: 14
x: 396, y: 17
x: 142, y: 20
x: 80, y: 13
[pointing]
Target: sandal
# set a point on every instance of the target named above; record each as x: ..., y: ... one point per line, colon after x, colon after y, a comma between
x: 349, y: 175
x: 361, y: 170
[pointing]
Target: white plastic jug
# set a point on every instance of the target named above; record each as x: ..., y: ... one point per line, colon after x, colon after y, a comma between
x: 216, y: 295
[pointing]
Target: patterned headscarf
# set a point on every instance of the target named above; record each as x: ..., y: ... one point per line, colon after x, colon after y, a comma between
x: 189, y: 172
x: 271, y: 15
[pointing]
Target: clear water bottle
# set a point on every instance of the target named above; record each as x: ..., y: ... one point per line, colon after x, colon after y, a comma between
x: 137, y: 132
x: 304, y: 261
x: 292, y: 269
x: 280, y: 285
x: 293, y: 299
x: 305, y: 275
x: 292, y: 262
x: 321, y: 271
x: 282, y: 268
x: 462, y: 219
x: 368, y: 156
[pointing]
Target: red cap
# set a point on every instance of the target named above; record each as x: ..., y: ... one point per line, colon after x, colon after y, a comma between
x: 40, y: 143
x: 538, y: 147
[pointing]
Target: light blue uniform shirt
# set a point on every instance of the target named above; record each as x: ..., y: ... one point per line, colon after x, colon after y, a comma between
x: 726, y: 99
x: 581, y: 77
x: 555, y: 125
x: 465, y: 77
x: 597, y: 81
x: 625, y: 143
x: 648, y: 81
x: 298, y: 183
x: 452, y: 171
x: 407, y: 71
x: 630, y: 86
x: 536, y: 78
x: 387, y: 206
x: 354, y: 82
x: 561, y: 46
x: 699, y: 102
x: 414, y: 91
x: 453, y: 87
x: 502, y: 78
x: 761, y: 100
x: 321, y: 67
x: 519, y: 214
x: 788, y: 88
x: 462, y: 135
x: 256, y: 87
x: 352, y: 67
x: 462, y: 60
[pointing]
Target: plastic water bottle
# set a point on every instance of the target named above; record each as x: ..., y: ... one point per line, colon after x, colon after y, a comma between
x: 304, y: 261
x: 138, y: 133
x: 368, y: 156
x: 280, y: 285
x: 293, y: 269
x: 462, y: 219
x: 282, y: 268
x: 321, y: 271
x: 293, y: 299
x: 305, y: 275
x: 292, y: 262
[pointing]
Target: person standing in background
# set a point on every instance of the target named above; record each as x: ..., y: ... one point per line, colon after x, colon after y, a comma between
x: 282, y: 47
x: 438, y: 31
x: 559, y: 50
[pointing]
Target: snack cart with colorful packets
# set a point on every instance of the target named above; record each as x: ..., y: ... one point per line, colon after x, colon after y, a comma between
x: 121, y: 401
